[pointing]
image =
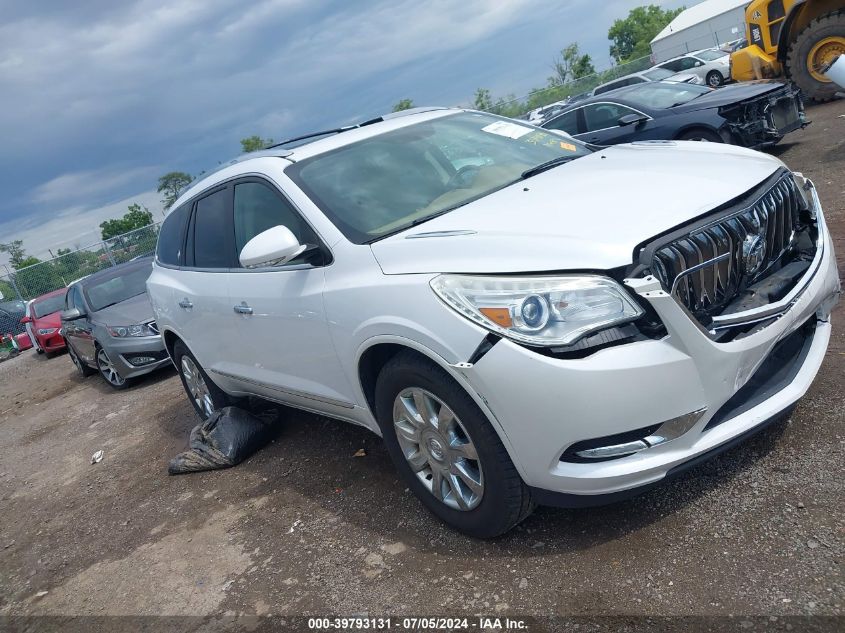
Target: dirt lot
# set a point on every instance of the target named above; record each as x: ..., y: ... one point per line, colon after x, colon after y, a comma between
x: 305, y: 527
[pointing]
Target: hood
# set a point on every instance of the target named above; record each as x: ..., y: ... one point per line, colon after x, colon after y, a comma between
x: 134, y: 310
x: 730, y: 94
x: 589, y: 214
x: 54, y: 319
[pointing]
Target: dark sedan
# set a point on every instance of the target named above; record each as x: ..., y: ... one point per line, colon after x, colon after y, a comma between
x: 752, y: 114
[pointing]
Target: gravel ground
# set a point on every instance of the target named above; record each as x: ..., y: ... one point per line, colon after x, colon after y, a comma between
x: 306, y: 527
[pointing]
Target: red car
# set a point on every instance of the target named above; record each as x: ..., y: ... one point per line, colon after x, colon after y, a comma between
x: 44, y: 319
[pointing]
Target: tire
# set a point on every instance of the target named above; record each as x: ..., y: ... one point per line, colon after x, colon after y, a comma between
x: 83, y: 369
x: 831, y: 25
x: 715, y: 79
x: 700, y: 134
x: 203, y: 394
x: 503, y: 500
x: 109, y: 372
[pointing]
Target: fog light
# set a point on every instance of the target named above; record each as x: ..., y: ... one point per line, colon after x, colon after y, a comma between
x: 142, y: 360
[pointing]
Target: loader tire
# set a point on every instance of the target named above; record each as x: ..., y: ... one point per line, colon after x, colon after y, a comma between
x: 828, y: 31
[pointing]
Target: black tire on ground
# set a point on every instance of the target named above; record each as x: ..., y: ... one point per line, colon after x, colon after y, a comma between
x: 715, y: 79
x: 83, y: 369
x: 506, y: 500
x: 700, y: 134
x: 219, y: 398
x: 828, y: 25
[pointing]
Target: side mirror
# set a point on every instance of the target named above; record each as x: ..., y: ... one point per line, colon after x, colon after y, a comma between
x: 632, y: 119
x: 72, y: 315
x: 273, y: 247
x: 26, y: 319
x: 699, y: 63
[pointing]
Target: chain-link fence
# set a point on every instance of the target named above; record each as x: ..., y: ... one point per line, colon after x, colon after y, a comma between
x: 17, y: 287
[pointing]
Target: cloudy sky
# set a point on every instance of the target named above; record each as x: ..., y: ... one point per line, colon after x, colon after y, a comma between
x: 98, y: 98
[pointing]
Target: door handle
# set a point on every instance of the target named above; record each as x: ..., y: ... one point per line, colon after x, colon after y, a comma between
x: 185, y: 303
x: 243, y: 308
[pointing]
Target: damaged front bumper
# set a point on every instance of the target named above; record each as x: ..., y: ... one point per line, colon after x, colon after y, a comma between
x: 687, y: 395
x: 765, y: 120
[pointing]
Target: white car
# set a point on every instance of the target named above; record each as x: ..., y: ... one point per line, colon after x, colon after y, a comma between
x: 711, y: 66
x: 540, y: 325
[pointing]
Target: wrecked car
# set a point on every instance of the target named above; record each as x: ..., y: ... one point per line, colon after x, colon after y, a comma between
x: 751, y: 114
x: 522, y: 318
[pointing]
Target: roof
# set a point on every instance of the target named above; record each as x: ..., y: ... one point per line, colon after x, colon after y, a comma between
x: 323, y: 142
x: 699, y: 13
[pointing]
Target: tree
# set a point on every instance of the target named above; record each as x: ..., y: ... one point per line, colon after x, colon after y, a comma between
x: 631, y: 37
x: 254, y: 143
x: 135, y: 218
x: 171, y: 185
x: 17, y: 255
x: 483, y: 100
x: 403, y: 104
x: 570, y: 64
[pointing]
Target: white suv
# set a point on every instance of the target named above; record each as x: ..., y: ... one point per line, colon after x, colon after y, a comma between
x: 523, y: 319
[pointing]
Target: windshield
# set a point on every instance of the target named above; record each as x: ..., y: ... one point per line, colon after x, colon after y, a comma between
x: 384, y: 184
x: 127, y: 283
x: 664, y: 95
x: 49, y: 305
x: 656, y: 74
x: 710, y: 56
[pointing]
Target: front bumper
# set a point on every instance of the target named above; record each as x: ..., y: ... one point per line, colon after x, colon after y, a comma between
x: 51, y: 342
x: 122, y: 351
x: 544, y: 405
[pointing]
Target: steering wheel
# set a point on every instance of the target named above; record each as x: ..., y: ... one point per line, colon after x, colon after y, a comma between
x: 464, y: 177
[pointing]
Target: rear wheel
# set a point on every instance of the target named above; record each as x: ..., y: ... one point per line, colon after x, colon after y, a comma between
x: 204, y: 395
x: 715, y: 79
x: 83, y: 369
x: 445, y: 449
x: 819, y: 44
x: 701, y: 134
x: 109, y: 371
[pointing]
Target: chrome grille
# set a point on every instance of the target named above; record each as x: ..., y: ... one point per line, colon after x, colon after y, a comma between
x: 707, y: 267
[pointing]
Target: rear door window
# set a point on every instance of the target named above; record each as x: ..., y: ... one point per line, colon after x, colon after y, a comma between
x: 212, y: 231
x: 567, y: 122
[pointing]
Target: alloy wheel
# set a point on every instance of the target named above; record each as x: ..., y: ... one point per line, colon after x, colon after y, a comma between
x: 438, y: 448
x: 195, y: 384
x: 107, y: 369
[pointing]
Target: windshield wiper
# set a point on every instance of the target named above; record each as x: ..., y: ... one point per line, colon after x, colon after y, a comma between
x: 549, y: 164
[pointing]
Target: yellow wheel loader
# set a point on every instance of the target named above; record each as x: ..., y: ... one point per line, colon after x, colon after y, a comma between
x: 798, y: 39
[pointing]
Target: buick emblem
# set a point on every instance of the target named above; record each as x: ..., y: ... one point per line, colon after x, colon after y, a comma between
x: 754, y: 252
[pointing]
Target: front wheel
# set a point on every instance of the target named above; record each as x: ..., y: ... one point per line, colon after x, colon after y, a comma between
x: 109, y: 371
x: 446, y: 450
x: 820, y: 43
x: 205, y: 396
x: 715, y: 79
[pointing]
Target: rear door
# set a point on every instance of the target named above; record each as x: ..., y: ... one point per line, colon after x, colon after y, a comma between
x: 284, y: 348
x: 200, y: 304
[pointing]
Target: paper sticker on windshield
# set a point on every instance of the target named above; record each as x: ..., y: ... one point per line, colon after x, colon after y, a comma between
x: 504, y: 128
x: 568, y: 146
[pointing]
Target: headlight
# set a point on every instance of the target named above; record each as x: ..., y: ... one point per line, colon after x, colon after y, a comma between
x: 44, y: 331
x: 124, y: 331
x: 805, y: 190
x: 540, y: 311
